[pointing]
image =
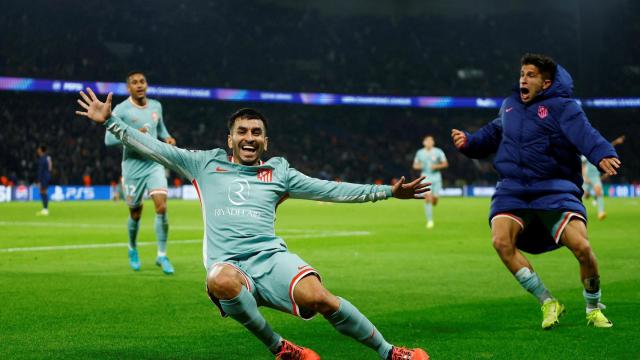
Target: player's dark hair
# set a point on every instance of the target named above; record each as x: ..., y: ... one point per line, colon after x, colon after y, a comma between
x: 545, y: 64
x: 42, y: 148
x: 247, y: 114
x: 134, y: 72
x: 428, y: 135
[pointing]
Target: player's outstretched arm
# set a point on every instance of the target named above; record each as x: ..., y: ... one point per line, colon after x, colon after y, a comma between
x: 577, y: 129
x: 480, y: 144
x: 412, y: 190
x: 184, y: 162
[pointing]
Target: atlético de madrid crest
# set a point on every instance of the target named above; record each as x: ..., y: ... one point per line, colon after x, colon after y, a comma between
x: 542, y: 112
x: 265, y: 175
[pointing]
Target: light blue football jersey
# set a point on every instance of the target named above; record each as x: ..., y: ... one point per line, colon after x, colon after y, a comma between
x: 134, y: 165
x: 239, y: 202
x: 426, y: 158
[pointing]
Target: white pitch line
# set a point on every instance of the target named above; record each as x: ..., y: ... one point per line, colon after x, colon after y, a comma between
x: 91, y: 246
x: 83, y: 226
x: 323, y: 234
x: 120, y: 227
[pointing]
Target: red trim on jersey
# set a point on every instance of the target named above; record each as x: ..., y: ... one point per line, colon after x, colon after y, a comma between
x: 195, y: 184
x: 292, y: 287
x: 282, y: 199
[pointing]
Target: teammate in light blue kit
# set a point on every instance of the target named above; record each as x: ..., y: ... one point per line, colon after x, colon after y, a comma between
x: 247, y: 264
x: 592, y: 181
x: 429, y: 161
x: 140, y: 175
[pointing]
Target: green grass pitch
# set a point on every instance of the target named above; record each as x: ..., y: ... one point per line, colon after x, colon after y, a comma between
x: 443, y: 289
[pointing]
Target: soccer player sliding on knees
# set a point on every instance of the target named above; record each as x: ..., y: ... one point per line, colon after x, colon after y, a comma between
x: 538, y: 137
x: 246, y: 262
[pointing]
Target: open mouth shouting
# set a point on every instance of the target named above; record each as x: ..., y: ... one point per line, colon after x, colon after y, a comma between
x: 525, y: 94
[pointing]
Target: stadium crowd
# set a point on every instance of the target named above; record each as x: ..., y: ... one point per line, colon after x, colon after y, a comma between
x: 305, y: 50
x: 309, y: 50
x: 347, y: 143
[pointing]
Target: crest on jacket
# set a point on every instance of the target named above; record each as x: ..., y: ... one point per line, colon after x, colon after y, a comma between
x: 542, y: 112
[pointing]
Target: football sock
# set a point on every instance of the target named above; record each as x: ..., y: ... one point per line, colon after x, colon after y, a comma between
x: 132, y: 225
x: 600, y: 202
x: 531, y: 282
x: 45, y: 200
x: 244, y: 309
x: 162, y: 229
x: 350, y: 322
x: 591, y: 299
x: 428, y: 211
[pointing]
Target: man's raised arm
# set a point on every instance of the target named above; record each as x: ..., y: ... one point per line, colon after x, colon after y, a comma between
x: 480, y: 144
x: 185, y: 162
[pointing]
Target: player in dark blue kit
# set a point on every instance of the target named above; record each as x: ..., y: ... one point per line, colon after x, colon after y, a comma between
x: 44, y: 176
x: 538, y: 137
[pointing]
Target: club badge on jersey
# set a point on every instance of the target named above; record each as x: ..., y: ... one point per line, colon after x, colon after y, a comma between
x: 265, y: 175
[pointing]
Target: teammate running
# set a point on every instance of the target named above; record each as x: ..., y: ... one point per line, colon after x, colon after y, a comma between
x: 140, y: 175
x: 430, y: 160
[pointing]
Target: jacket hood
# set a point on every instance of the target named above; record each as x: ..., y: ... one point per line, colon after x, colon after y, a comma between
x: 562, y: 85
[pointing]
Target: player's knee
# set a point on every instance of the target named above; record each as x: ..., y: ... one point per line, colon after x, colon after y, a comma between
x: 136, y: 214
x: 583, y: 251
x: 161, y: 208
x: 223, y: 284
x: 503, y: 244
x: 318, y: 300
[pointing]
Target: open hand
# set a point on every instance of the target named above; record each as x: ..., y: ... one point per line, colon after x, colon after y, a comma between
x: 610, y: 165
x: 412, y: 190
x: 96, y: 110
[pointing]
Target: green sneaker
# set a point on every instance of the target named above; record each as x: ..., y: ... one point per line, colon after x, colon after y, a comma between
x: 597, y: 319
x: 551, y: 312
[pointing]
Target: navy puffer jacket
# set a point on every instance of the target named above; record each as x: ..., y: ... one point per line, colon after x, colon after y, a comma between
x: 538, y: 147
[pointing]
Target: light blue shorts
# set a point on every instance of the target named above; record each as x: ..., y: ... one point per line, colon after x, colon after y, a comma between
x: 271, y: 278
x: 590, y: 188
x: 155, y: 182
x: 436, y: 186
